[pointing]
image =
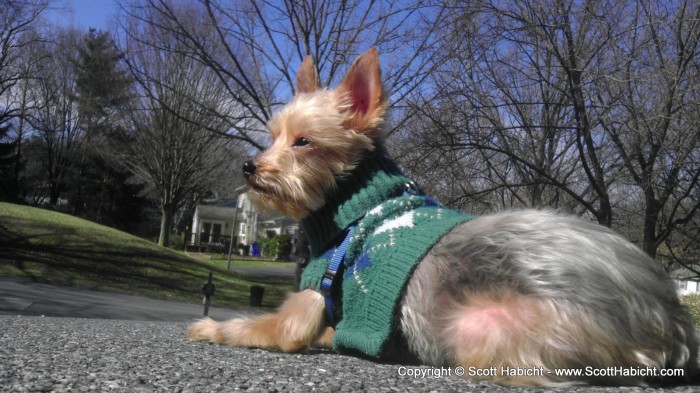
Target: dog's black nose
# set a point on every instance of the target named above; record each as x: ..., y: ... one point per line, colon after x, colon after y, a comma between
x: 249, y: 168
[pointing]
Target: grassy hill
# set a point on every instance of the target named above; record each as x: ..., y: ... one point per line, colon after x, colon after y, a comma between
x: 59, y: 249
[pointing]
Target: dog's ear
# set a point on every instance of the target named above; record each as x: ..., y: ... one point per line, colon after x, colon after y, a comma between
x: 307, y: 76
x: 362, y: 85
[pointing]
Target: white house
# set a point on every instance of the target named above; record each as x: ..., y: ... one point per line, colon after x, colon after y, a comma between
x: 214, y: 226
x: 688, y: 287
x: 246, y: 233
x: 687, y: 281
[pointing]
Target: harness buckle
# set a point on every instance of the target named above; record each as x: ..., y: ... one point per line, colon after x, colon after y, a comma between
x: 327, y: 282
x: 410, y: 188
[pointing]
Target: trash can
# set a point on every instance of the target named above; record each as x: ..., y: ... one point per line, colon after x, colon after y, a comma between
x: 256, y: 295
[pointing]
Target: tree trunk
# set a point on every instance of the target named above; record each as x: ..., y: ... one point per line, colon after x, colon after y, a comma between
x: 53, y: 193
x: 166, y: 221
x: 651, y: 216
x: 586, y: 144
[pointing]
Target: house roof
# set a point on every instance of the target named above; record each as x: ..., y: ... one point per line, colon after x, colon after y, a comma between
x: 215, y: 212
x: 685, y: 274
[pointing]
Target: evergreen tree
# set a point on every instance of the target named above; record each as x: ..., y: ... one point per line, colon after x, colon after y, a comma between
x: 284, y: 247
x: 8, y: 160
x: 102, y: 85
x: 101, y: 189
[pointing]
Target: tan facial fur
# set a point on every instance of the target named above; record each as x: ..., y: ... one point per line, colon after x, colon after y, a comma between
x: 338, y: 126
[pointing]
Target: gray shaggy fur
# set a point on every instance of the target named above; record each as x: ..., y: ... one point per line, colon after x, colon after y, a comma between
x: 580, y: 295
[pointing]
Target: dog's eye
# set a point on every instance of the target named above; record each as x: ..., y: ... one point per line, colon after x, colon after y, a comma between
x: 301, y: 141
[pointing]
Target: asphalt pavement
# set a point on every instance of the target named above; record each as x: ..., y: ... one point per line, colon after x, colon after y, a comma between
x: 147, y: 351
x: 25, y: 297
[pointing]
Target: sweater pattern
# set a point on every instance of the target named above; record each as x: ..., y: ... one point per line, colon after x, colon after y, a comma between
x: 387, y: 244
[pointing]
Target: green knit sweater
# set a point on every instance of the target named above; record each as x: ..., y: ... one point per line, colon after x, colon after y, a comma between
x: 393, y: 233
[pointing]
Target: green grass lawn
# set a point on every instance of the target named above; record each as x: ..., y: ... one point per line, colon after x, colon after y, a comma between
x: 222, y: 262
x: 59, y: 249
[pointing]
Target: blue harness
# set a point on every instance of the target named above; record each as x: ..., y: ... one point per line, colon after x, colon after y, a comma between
x: 329, y: 277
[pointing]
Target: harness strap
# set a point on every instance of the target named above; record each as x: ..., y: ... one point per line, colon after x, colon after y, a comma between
x: 329, y: 276
x: 328, y: 280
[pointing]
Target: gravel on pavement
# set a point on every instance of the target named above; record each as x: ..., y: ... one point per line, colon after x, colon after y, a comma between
x: 48, y: 354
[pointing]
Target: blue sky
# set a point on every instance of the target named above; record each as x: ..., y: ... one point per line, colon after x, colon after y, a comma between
x: 83, y: 14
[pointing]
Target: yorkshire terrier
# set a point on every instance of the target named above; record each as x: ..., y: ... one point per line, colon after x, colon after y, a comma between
x: 512, y: 297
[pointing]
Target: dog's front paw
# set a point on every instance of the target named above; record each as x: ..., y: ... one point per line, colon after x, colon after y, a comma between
x: 205, y: 330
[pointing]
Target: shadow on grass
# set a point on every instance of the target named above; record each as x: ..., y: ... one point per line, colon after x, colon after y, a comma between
x: 63, y: 255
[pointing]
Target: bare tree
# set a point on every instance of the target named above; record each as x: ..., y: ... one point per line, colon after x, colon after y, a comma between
x: 19, y: 22
x: 587, y: 102
x: 254, y: 47
x: 53, y: 115
x: 507, y: 92
x: 173, y: 143
x: 587, y: 106
x: 17, y: 102
x: 651, y: 114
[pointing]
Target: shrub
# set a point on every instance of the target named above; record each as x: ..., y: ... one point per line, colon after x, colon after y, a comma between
x: 269, y: 246
x: 693, y: 304
x: 284, y: 247
x: 176, y: 242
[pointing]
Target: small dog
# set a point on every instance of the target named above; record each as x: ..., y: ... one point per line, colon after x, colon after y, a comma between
x: 396, y: 276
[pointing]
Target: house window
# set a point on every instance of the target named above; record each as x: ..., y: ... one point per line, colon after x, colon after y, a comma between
x: 215, y: 236
x: 682, y: 284
x: 205, y: 229
x: 243, y: 229
x: 210, y: 232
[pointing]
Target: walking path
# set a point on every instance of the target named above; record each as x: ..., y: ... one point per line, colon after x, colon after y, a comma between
x: 124, y: 348
x: 25, y: 297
